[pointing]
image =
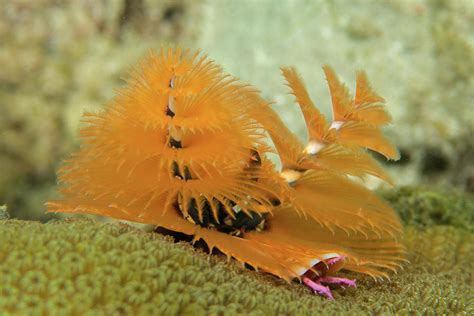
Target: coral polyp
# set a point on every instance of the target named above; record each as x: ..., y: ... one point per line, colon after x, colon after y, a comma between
x: 184, y: 146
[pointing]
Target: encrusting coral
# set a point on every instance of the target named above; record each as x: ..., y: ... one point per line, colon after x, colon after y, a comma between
x: 81, y: 267
x: 424, y: 207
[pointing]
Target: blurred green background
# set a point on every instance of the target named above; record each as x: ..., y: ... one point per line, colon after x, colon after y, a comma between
x: 60, y: 58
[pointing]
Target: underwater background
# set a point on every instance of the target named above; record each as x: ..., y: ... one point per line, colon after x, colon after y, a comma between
x: 61, y: 58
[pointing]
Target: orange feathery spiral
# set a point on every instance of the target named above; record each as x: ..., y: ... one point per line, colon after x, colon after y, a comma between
x: 183, y: 146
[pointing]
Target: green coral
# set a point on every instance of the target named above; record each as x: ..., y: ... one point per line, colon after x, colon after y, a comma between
x: 3, y: 212
x: 82, y: 267
x: 423, y: 207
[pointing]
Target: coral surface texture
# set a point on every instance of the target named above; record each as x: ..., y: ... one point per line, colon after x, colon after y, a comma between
x: 82, y: 267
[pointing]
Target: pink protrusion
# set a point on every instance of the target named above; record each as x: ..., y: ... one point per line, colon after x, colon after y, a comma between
x: 338, y: 281
x: 318, y: 288
x: 334, y: 260
x: 317, y: 278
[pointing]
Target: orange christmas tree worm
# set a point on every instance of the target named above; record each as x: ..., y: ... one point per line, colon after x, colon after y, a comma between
x: 184, y: 147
